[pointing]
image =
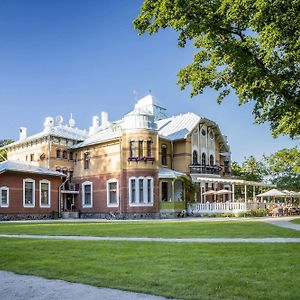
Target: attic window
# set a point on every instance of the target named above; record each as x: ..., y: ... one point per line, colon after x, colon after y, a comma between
x: 203, y: 132
x: 211, y: 134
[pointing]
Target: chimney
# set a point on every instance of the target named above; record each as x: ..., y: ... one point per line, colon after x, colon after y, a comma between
x: 23, y: 133
x: 104, y: 120
x: 95, y: 126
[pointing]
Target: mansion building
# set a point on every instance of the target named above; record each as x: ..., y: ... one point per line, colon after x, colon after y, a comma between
x: 129, y: 168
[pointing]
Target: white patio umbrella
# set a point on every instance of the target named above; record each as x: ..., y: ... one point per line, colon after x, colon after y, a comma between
x: 223, y: 192
x: 210, y: 192
x: 272, y: 193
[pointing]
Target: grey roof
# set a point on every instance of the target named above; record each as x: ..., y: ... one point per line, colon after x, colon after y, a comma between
x: 62, y: 131
x: 15, y: 166
x: 100, y: 137
x: 177, y: 127
x: 166, y: 173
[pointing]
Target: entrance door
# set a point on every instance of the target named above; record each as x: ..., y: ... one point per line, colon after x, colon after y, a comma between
x: 164, y: 191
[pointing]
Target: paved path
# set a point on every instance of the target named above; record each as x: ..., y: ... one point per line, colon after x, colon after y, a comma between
x: 166, y: 240
x: 282, y: 223
x: 24, y: 287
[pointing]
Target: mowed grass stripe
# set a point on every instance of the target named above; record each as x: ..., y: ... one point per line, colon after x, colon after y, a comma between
x: 182, y: 271
x: 226, y: 229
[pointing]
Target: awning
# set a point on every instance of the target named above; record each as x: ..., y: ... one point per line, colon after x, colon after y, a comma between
x: 272, y: 193
x: 197, y: 178
x: 166, y: 173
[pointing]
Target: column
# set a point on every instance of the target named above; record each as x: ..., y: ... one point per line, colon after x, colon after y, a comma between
x: 253, y: 193
x: 232, y: 188
x: 245, y: 189
x: 173, y: 196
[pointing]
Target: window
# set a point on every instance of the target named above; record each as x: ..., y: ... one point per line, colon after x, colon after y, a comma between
x: 28, y: 193
x: 112, y: 193
x: 203, y: 132
x: 141, y: 191
x: 132, y: 193
x: 86, y: 160
x: 164, y: 191
x: 203, y: 159
x: 58, y: 153
x: 76, y: 158
x: 71, y: 155
x: 31, y: 157
x: 87, y: 194
x: 132, y: 149
x: 4, y: 196
x: 195, y: 157
x: 211, y: 135
x: 65, y: 155
x: 141, y: 152
x: 45, y: 193
x: 211, y: 160
x: 149, y: 148
x: 164, y: 155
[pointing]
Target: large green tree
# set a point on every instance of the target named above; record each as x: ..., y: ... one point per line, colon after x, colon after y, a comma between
x: 284, y: 168
x: 3, y: 143
x: 249, y: 46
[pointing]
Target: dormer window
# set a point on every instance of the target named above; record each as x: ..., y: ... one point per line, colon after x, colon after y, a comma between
x: 211, y: 135
x: 203, y: 132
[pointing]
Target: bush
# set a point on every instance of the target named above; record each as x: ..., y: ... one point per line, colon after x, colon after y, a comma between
x: 261, y: 212
x: 54, y: 215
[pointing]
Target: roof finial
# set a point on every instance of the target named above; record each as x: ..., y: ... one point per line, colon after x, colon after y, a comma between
x: 150, y: 91
x: 72, y: 121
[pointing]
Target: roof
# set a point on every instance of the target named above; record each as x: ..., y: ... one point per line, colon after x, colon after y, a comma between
x: 62, y: 131
x: 166, y: 173
x: 100, y: 137
x: 15, y: 166
x: 177, y: 127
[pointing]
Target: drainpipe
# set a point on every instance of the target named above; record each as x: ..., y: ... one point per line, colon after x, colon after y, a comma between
x: 59, y: 195
x: 172, y: 155
x: 121, y: 174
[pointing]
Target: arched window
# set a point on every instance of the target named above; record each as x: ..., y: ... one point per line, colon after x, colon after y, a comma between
x: 203, y: 159
x: 211, y: 160
x: 195, y: 157
x: 65, y: 155
x: 58, y: 153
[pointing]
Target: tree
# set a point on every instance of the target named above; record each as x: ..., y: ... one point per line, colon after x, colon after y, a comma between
x: 249, y: 46
x: 3, y: 155
x: 284, y: 168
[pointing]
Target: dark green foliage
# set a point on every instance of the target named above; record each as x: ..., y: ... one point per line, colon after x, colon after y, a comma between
x: 249, y: 46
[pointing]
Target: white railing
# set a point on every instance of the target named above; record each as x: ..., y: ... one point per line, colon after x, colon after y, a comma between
x: 209, y: 208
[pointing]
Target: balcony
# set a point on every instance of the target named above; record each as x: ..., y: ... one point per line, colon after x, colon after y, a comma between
x: 70, y: 188
x: 205, y: 169
x: 144, y: 159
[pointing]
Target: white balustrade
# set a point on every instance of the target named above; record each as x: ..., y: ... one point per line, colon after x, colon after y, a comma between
x: 219, y: 207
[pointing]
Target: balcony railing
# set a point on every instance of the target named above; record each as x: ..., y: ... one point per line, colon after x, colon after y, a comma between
x: 70, y: 187
x: 205, y: 169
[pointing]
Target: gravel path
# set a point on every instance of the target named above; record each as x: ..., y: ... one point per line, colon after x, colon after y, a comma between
x: 24, y: 287
x: 284, y: 224
x: 167, y: 240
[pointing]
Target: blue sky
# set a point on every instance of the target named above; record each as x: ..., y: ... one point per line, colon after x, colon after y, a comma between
x: 84, y: 57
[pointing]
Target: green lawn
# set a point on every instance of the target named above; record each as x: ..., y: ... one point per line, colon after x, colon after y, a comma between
x: 153, y: 229
x: 296, y: 221
x: 182, y: 271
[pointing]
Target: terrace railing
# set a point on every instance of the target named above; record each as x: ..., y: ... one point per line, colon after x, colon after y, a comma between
x: 205, y: 169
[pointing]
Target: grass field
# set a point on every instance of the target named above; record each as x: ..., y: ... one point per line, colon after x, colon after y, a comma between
x: 153, y: 229
x: 175, y: 270
x: 182, y: 271
x: 296, y: 221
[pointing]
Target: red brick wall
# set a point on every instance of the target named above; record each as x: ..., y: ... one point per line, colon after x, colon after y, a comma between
x: 14, y: 181
x: 100, y: 192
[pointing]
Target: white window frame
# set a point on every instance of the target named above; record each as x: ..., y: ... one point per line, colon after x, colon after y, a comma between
x: 113, y: 180
x: 83, y: 194
x: 49, y: 193
x: 4, y: 188
x: 137, y: 191
x: 33, y: 192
